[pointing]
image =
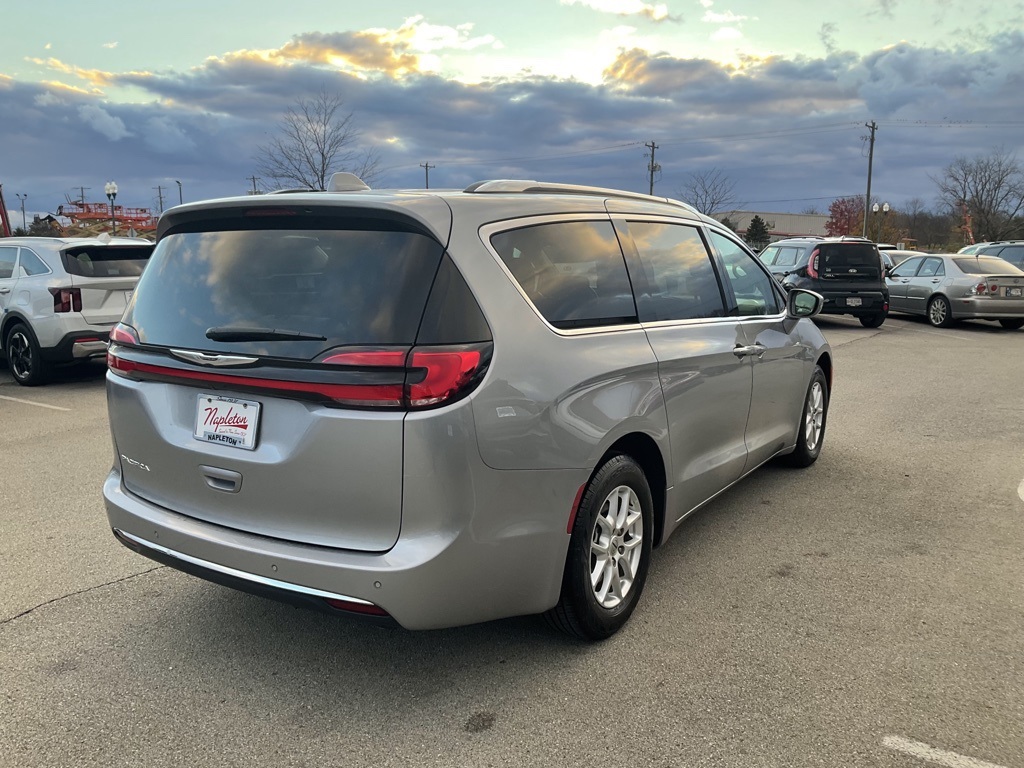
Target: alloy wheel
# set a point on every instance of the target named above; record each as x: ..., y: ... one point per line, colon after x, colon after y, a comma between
x: 615, y: 547
x: 937, y: 312
x: 19, y: 355
x: 814, y: 416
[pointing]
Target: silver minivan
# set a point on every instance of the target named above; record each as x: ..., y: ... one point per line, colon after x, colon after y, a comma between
x: 435, y: 408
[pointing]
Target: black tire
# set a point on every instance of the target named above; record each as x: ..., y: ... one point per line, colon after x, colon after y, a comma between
x: 23, y: 358
x: 807, y: 451
x: 873, y: 321
x: 1012, y: 325
x: 579, y: 612
x: 940, y: 313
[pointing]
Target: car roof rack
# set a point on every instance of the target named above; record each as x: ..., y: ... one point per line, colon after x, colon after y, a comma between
x: 529, y: 186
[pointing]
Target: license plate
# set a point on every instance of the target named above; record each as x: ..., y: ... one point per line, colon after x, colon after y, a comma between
x: 227, y: 421
x: 1015, y: 292
x: 853, y: 302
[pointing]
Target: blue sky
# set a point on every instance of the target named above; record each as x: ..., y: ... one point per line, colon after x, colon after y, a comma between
x: 773, y: 95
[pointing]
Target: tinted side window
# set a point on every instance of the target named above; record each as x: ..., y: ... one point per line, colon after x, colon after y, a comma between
x: 1013, y: 254
x: 573, y: 272
x: 751, y: 287
x: 907, y: 268
x: 767, y: 256
x: 8, y: 255
x: 680, y: 282
x: 31, y: 264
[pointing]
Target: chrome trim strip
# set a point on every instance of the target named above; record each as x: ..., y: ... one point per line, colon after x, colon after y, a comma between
x: 214, y: 359
x: 284, y: 585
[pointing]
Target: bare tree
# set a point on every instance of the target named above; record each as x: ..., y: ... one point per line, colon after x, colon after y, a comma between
x: 708, y: 191
x: 315, y: 139
x: 991, y: 187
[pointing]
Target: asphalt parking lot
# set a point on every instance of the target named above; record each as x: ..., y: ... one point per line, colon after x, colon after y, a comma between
x: 868, y: 611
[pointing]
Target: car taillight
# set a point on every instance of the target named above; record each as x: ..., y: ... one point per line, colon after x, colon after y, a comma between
x: 993, y: 288
x: 124, y: 334
x: 812, y: 264
x: 66, y: 300
x: 422, y: 377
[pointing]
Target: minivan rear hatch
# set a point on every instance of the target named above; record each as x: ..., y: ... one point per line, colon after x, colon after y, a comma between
x: 105, y: 276
x: 261, y: 391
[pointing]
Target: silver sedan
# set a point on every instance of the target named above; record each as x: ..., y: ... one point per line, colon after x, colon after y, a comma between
x: 950, y: 287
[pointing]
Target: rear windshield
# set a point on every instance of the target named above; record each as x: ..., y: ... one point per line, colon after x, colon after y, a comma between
x: 986, y: 265
x: 348, y: 286
x: 849, y: 255
x: 106, y: 260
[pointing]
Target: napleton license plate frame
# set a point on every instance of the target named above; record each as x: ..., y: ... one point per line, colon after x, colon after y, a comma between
x: 227, y: 421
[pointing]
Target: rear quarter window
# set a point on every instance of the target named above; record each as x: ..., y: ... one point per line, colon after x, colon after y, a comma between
x: 986, y: 265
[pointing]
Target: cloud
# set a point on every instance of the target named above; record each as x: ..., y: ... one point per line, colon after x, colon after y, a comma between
x: 655, y: 12
x: 110, y: 45
x: 103, y: 122
x: 726, y: 33
x: 167, y: 137
x: 722, y: 18
x: 827, y: 35
x: 95, y: 76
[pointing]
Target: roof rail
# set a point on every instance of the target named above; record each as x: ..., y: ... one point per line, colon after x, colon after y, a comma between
x: 529, y: 186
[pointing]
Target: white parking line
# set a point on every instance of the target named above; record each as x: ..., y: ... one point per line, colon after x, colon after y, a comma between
x: 932, y: 755
x: 30, y: 402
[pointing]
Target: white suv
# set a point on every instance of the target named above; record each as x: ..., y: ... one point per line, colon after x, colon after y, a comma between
x: 59, y: 298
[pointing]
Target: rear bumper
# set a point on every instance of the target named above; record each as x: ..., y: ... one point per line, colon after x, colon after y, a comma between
x: 428, y: 580
x: 845, y: 303
x: 988, y: 308
x: 77, y: 345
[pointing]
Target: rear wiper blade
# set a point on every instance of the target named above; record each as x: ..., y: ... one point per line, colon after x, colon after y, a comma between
x: 241, y: 333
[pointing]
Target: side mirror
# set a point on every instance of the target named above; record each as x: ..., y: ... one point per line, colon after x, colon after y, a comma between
x: 803, y: 303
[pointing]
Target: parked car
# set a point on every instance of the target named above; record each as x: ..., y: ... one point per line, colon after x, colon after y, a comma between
x: 950, y: 287
x: 1009, y: 250
x: 847, y: 271
x: 59, y: 298
x: 892, y: 257
x: 436, y: 407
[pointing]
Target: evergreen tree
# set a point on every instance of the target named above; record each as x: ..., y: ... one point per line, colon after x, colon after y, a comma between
x: 757, y: 233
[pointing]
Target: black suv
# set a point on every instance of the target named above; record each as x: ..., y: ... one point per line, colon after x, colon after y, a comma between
x: 1007, y: 250
x: 847, y: 271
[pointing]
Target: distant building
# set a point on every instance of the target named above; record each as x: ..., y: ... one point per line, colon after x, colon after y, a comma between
x: 780, y: 225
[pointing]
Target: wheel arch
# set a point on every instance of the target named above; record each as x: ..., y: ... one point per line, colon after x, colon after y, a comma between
x: 825, y: 361
x: 9, y: 321
x: 642, y: 448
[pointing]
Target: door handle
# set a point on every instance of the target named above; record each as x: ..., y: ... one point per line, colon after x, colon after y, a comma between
x: 757, y: 348
x: 5, y: 290
x: 221, y: 479
x: 937, y: 280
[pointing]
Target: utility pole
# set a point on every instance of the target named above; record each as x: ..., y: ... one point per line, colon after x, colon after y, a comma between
x: 872, y: 126
x: 254, y: 178
x: 22, y: 198
x: 426, y: 168
x: 652, y: 167
x: 81, y: 197
x: 160, y: 196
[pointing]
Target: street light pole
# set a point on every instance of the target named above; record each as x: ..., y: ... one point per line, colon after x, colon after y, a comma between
x: 22, y: 198
x: 180, y: 201
x: 111, y: 189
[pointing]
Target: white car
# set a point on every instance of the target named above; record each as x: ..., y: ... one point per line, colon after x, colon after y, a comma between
x: 59, y: 298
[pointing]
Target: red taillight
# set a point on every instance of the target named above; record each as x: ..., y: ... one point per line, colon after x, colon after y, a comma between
x: 124, y: 334
x: 66, y: 300
x: 993, y: 288
x: 349, y: 605
x: 447, y: 374
x: 812, y: 264
x: 434, y: 376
